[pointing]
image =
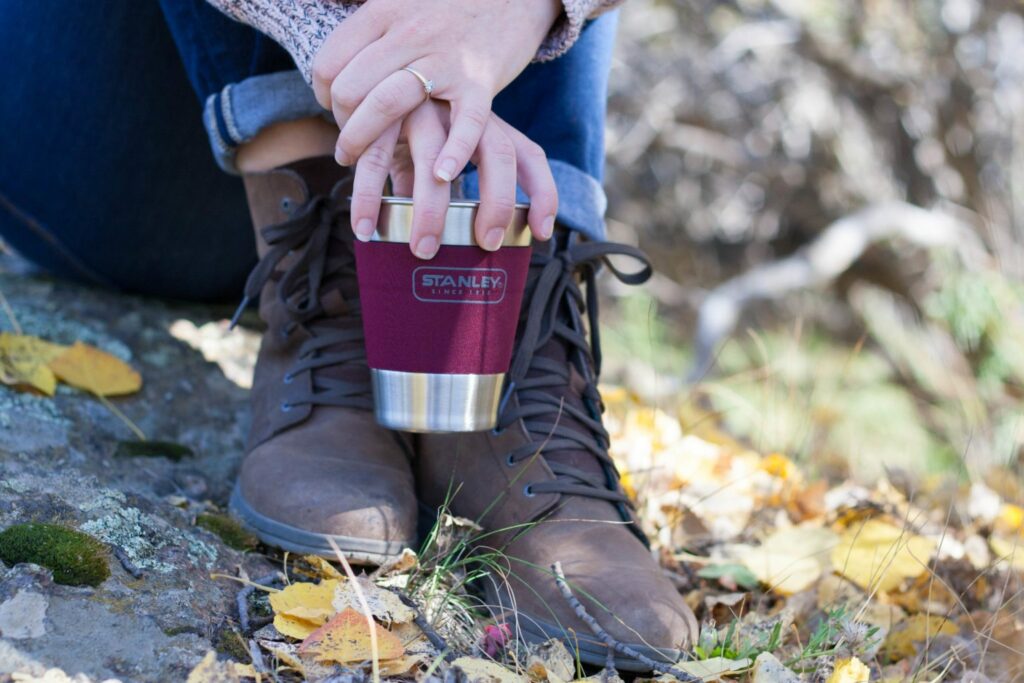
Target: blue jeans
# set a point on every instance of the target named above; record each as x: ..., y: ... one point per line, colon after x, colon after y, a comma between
x: 106, y: 174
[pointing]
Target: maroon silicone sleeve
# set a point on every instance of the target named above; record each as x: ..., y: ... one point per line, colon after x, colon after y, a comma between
x: 453, y: 314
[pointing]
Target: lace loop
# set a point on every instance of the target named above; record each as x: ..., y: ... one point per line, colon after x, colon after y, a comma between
x: 556, y: 302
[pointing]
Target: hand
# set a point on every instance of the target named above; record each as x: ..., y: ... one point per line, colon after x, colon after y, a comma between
x: 471, y: 49
x: 503, y: 157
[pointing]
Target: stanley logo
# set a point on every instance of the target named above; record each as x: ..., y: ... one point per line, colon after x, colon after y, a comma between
x: 459, y: 285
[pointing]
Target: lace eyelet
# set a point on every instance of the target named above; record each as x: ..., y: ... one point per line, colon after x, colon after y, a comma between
x: 528, y: 491
x: 498, y: 431
x: 289, y: 378
x: 285, y: 406
x: 509, y: 461
x: 286, y: 204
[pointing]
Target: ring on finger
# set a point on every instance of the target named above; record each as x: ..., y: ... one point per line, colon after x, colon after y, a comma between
x: 428, y: 85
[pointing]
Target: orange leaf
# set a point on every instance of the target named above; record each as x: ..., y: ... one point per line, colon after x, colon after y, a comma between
x: 346, y: 638
x: 86, y: 367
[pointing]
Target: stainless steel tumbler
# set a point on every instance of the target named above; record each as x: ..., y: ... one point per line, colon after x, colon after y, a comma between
x: 439, y: 333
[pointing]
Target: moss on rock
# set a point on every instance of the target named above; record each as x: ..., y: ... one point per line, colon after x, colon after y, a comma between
x: 229, y: 531
x: 75, y: 558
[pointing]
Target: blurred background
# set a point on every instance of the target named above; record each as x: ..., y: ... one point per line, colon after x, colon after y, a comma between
x: 832, y: 194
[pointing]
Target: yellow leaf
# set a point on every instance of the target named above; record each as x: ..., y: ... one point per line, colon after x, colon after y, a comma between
x: 1011, y: 517
x: 23, y: 362
x: 288, y: 653
x: 346, y: 638
x: 209, y: 670
x: 477, y: 670
x: 400, y: 666
x: 1009, y: 551
x: 301, y: 608
x: 778, y: 465
x: 790, y: 560
x: 875, y: 554
x: 850, y: 670
x: 901, y: 643
x: 384, y: 605
x: 86, y: 367
x: 325, y: 568
x: 714, y: 668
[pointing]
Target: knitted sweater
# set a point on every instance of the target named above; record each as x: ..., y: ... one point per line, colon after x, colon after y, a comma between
x: 301, y: 26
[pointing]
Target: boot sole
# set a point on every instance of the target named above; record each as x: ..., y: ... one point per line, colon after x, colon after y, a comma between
x: 293, y: 539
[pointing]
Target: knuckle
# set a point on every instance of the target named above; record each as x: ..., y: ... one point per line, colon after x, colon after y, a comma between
x: 534, y: 153
x: 431, y: 215
x: 375, y: 158
x: 386, y: 101
x: 476, y: 115
x: 321, y: 71
x: 343, y: 97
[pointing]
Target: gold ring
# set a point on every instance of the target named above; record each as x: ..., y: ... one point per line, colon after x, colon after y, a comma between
x: 428, y: 85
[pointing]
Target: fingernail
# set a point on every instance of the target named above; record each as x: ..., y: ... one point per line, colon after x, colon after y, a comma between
x: 341, y: 157
x: 492, y: 240
x: 446, y: 170
x: 547, y: 228
x: 364, y: 229
x: 426, y: 247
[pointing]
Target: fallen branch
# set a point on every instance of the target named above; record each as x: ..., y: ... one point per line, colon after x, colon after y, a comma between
x: 607, y: 638
x: 828, y: 256
x: 421, y: 622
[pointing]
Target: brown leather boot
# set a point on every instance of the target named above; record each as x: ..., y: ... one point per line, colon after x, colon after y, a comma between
x: 544, y: 488
x: 317, y: 465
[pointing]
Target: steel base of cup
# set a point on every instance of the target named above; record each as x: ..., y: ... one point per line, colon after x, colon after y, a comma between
x: 425, y: 402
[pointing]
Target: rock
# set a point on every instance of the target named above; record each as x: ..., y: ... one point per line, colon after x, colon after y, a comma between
x: 23, y: 616
x: 159, y: 612
x: 768, y: 669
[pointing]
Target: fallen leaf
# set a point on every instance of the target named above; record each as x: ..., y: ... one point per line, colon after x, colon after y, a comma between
x: 24, y: 362
x: 716, y: 667
x: 877, y: 555
x: 325, y: 569
x: 301, y: 608
x: 209, y: 670
x: 790, y: 560
x: 384, y: 605
x: 902, y: 641
x: 1008, y: 551
x: 346, y: 638
x: 850, y: 670
x: 478, y: 670
x: 405, y: 562
x: 550, y: 661
x: 288, y: 653
x: 400, y: 666
x: 730, y: 575
x: 86, y: 367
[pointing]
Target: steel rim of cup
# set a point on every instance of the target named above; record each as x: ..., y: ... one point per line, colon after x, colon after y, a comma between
x: 395, y: 223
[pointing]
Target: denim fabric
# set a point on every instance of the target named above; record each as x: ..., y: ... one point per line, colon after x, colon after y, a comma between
x: 105, y: 169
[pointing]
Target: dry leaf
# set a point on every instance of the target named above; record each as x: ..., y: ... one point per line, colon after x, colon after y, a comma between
x: 288, y: 653
x: 850, y: 670
x: 479, y: 670
x: 551, y: 661
x: 346, y: 638
x: 86, y: 367
x: 1008, y: 551
x: 405, y: 562
x: 714, y: 668
x: 24, y: 362
x: 324, y: 569
x: 301, y: 608
x: 400, y: 666
x: 209, y: 670
x: 384, y: 605
x: 902, y: 640
x: 790, y: 560
x: 876, y: 554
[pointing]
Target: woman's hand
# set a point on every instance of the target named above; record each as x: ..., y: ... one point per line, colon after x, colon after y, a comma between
x: 470, y: 49
x: 503, y: 157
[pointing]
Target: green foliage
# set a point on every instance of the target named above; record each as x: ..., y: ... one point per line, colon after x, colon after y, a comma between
x: 229, y: 531
x: 737, y: 572
x: 75, y: 558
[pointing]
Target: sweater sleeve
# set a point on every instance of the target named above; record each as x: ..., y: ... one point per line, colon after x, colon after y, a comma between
x: 301, y: 26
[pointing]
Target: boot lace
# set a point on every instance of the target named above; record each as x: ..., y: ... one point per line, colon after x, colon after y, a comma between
x: 322, y: 260
x: 555, y: 312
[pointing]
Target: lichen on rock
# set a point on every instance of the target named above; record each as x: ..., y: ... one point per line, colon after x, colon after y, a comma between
x: 143, y: 537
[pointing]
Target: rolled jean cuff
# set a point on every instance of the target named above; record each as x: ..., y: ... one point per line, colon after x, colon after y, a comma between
x: 581, y: 199
x: 237, y: 113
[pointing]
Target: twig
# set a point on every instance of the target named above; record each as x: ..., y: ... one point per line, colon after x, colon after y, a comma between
x: 242, y: 600
x: 136, y: 430
x: 257, y: 659
x: 432, y: 635
x: 9, y: 312
x: 128, y: 565
x: 607, y: 638
x: 374, y: 652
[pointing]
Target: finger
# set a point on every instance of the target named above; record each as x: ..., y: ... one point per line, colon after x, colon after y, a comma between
x: 385, y: 105
x: 343, y: 43
x: 470, y: 114
x: 377, y: 62
x: 368, y: 185
x: 401, y: 172
x: 534, y: 176
x: 431, y: 196
x: 496, y: 162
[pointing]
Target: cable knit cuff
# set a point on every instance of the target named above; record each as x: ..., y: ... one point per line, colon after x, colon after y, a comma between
x: 567, y: 29
x: 302, y: 26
